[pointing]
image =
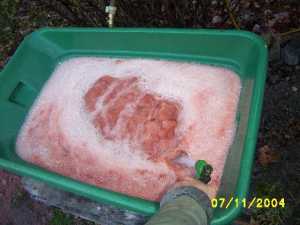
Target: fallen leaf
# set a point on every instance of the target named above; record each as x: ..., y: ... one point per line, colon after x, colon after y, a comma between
x: 266, y: 155
x: 253, y: 222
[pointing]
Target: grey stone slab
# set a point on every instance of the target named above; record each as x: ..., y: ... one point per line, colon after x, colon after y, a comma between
x: 81, y: 207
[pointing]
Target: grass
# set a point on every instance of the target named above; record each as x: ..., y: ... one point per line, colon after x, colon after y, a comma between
x: 271, y: 216
x: 18, y: 18
x: 60, y: 218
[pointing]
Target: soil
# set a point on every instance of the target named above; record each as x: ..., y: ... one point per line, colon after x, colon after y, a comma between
x: 276, y: 170
x: 16, y: 207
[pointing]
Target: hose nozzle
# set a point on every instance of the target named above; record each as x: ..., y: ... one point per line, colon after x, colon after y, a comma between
x: 203, y: 171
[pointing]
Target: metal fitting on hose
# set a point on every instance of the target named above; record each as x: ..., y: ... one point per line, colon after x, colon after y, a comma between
x: 111, y: 10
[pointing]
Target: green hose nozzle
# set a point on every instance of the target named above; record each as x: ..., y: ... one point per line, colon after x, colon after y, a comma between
x: 203, y: 171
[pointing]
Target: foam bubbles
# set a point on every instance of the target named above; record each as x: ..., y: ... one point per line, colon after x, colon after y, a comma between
x: 208, y: 96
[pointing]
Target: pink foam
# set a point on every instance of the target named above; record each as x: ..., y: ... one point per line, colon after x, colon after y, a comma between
x: 134, y: 126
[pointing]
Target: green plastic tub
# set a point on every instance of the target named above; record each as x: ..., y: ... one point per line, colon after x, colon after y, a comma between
x: 40, y: 52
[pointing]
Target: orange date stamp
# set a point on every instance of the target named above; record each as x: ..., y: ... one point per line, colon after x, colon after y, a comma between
x: 243, y: 202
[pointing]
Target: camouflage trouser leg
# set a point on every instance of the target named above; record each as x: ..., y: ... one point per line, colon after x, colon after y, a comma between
x: 183, y: 206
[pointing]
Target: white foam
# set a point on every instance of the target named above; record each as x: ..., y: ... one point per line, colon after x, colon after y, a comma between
x: 182, y: 82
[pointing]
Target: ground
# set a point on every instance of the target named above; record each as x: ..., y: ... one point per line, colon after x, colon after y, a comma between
x: 276, y: 171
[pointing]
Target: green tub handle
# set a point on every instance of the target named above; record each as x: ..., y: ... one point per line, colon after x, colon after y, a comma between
x: 22, y: 94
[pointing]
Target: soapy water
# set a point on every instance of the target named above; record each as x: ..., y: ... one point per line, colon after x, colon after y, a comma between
x: 134, y: 126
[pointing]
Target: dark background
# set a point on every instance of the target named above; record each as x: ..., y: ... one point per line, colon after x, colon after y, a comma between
x: 276, y: 171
